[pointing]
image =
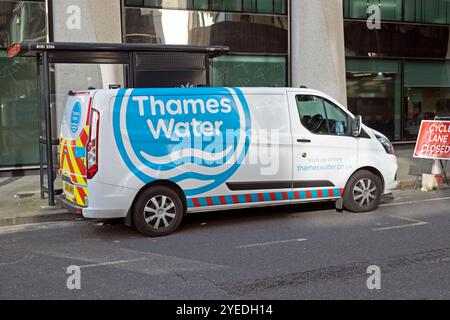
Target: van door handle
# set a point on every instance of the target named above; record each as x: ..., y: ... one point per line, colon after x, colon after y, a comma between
x: 304, y: 140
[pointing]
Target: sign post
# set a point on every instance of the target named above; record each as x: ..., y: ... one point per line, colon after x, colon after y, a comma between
x: 433, y: 142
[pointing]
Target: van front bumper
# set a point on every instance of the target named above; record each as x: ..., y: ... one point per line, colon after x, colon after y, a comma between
x: 70, y: 206
x: 392, y: 186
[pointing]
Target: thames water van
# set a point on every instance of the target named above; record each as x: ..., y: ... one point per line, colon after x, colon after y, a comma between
x: 152, y: 155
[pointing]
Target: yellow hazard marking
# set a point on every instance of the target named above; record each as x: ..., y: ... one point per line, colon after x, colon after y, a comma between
x: 68, y: 161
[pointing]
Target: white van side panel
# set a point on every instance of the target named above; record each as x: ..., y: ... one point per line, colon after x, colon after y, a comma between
x: 108, y: 201
x: 263, y: 143
x: 266, y: 174
x: 268, y: 158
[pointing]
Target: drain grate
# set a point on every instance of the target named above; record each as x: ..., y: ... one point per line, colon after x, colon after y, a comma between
x: 24, y: 195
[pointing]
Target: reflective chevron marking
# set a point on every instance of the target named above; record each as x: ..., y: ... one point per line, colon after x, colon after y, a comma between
x: 75, y: 167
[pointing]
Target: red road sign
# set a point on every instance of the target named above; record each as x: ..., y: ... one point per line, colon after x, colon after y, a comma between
x: 433, y: 141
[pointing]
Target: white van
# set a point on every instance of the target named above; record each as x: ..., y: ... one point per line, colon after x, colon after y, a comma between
x: 152, y: 155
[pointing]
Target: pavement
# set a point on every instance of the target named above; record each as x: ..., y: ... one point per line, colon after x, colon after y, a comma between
x: 20, y: 201
x: 408, y: 166
x: 293, y: 252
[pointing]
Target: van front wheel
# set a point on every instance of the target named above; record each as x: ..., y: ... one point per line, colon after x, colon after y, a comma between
x: 158, y: 212
x: 363, y: 192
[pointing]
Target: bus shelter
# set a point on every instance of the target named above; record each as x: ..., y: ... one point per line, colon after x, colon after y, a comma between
x: 81, y: 66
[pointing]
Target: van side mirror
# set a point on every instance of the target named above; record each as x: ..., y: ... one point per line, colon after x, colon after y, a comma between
x: 357, y: 126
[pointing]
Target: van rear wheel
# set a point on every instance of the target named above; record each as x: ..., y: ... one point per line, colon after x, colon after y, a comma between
x: 363, y: 192
x: 158, y: 212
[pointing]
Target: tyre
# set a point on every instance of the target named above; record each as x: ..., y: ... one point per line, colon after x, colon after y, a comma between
x: 363, y: 192
x: 158, y: 212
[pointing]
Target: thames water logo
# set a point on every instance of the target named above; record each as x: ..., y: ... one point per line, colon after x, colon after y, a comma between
x: 75, y: 118
x: 197, y: 140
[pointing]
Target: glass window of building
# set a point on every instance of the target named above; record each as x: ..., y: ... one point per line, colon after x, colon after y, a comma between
x: 357, y: 9
x: 428, y: 11
x: 427, y: 94
x: 249, y: 33
x: 19, y: 118
x: 374, y: 91
x: 420, y: 11
x: 258, y: 42
x: 22, y: 21
x: 250, y: 6
x: 249, y: 71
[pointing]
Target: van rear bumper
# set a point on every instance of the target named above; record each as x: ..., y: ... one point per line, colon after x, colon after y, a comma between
x: 69, y: 206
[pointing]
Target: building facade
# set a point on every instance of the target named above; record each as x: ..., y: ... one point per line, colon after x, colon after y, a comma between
x: 394, y: 75
x: 399, y: 74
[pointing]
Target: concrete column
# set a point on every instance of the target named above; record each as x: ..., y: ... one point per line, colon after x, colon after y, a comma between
x: 85, y: 21
x: 317, y: 46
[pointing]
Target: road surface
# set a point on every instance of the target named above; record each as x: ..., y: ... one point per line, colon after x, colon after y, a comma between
x: 293, y: 252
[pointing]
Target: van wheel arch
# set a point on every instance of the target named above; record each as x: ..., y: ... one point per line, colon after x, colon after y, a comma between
x: 163, y: 183
x: 368, y: 180
x: 370, y: 169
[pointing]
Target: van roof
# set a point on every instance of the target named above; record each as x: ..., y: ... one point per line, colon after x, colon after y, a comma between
x: 207, y: 90
x: 248, y: 90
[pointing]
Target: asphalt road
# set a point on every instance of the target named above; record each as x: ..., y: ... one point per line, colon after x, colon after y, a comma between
x: 295, y: 252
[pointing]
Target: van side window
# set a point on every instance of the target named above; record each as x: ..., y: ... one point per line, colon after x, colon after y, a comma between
x: 321, y: 116
x: 338, y: 120
x: 312, y: 114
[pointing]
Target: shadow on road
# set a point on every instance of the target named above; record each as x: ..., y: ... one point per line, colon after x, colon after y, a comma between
x: 254, y: 214
x: 217, y: 219
x: 197, y: 221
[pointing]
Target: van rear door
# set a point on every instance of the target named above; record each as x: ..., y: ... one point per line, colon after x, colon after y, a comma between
x: 75, y: 129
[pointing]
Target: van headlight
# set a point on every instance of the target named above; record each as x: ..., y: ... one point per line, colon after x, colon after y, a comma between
x: 387, y: 145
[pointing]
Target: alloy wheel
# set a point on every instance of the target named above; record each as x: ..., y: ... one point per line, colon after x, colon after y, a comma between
x: 365, y: 192
x: 159, y: 212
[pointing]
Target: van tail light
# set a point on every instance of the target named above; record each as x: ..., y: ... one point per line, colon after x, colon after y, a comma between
x: 92, y: 146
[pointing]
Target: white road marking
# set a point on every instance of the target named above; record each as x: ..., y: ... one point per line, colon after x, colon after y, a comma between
x: 24, y: 259
x: 415, y: 223
x: 112, y: 263
x: 413, y: 202
x: 438, y: 261
x: 35, y: 227
x: 264, y: 244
